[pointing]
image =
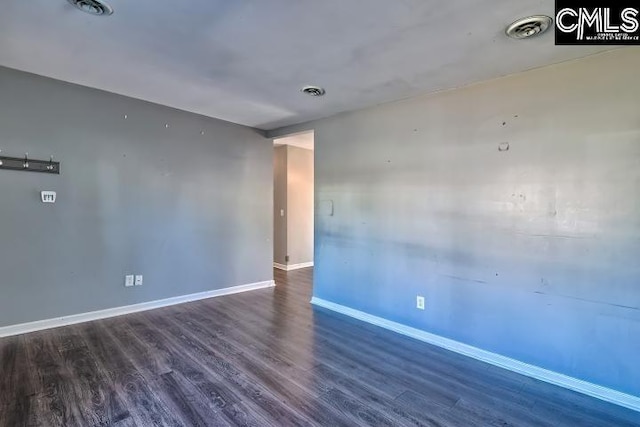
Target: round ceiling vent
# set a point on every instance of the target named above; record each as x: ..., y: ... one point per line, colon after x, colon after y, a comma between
x: 93, y: 7
x: 528, y: 27
x: 313, y: 91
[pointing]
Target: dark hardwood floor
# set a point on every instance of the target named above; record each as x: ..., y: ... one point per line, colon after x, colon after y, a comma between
x: 266, y: 358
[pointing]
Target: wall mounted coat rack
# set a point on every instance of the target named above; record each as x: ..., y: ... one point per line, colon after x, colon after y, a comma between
x: 29, y: 165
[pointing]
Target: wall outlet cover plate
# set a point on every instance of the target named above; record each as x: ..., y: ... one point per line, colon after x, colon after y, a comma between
x: 48, y: 196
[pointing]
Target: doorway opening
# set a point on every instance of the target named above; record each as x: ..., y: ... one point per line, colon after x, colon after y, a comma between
x: 293, y: 201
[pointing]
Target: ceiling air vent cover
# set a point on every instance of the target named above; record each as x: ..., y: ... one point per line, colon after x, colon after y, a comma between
x: 313, y: 90
x: 93, y: 7
x: 528, y: 27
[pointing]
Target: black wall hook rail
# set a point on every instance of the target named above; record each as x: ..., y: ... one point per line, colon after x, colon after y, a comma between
x: 29, y: 165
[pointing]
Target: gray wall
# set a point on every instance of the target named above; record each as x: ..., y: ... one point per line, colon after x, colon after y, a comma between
x: 280, y: 204
x: 191, y: 212
x: 532, y: 253
x: 300, y: 205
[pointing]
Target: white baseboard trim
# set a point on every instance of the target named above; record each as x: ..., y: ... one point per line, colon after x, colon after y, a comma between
x: 590, y: 389
x: 292, y: 266
x: 39, y: 325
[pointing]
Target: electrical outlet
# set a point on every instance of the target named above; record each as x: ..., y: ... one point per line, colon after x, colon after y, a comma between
x: 420, y: 302
x: 129, y: 280
x: 139, y: 280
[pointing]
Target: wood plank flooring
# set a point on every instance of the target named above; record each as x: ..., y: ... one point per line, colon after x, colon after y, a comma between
x: 266, y: 358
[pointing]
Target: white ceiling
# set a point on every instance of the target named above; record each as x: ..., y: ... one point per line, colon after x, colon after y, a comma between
x: 246, y: 60
x: 302, y: 140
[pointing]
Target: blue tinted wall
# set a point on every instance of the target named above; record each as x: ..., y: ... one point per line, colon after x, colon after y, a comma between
x: 513, y: 206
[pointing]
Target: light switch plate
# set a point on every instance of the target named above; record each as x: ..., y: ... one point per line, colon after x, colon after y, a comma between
x: 326, y: 208
x: 139, y: 280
